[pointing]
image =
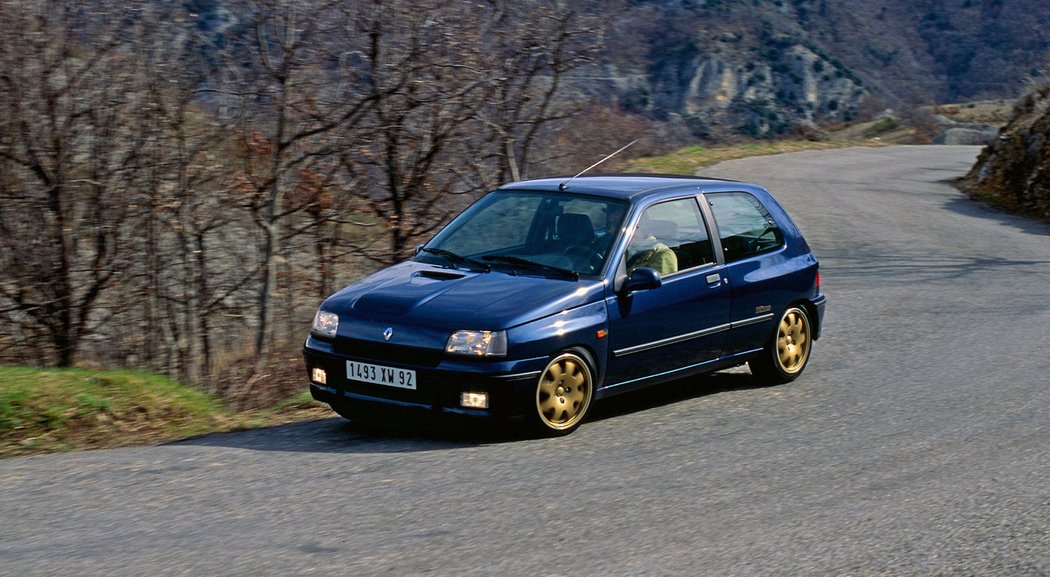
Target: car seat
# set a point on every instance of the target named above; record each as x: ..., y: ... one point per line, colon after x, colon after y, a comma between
x: 575, y: 229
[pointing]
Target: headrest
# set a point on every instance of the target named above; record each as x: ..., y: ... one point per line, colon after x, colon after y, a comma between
x: 575, y: 228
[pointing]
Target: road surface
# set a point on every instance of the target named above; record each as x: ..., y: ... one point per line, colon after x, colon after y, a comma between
x: 916, y: 444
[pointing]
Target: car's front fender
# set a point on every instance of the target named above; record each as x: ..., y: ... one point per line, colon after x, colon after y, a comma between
x: 583, y: 326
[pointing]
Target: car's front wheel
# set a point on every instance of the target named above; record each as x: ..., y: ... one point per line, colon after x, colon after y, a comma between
x: 563, y: 393
x: 787, y: 351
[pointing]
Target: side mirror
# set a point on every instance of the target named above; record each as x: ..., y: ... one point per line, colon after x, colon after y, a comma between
x: 642, y: 279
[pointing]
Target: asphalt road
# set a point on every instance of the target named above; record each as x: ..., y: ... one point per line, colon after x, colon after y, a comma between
x: 917, y: 442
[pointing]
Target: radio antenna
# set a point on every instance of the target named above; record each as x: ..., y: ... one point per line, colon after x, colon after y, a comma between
x: 563, y: 185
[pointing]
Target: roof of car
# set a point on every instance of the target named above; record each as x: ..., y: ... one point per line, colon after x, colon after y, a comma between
x: 615, y: 185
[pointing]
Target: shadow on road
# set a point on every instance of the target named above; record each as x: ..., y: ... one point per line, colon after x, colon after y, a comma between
x: 673, y: 392
x: 970, y: 207
x: 338, y: 435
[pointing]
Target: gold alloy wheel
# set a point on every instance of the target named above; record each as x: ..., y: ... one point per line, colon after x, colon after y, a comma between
x: 793, y: 341
x: 564, y: 392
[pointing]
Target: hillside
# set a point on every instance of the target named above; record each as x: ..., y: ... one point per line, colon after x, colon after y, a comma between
x: 761, y: 67
x: 726, y: 68
x: 1014, y: 170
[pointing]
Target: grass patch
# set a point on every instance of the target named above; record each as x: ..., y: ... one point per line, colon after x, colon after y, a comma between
x: 301, y: 401
x: 687, y: 161
x: 51, y: 410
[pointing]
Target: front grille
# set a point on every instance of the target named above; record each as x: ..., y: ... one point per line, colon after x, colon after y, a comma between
x: 424, y: 393
x: 388, y: 353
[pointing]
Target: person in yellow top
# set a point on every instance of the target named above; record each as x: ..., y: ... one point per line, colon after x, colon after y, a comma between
x: 645, y: 250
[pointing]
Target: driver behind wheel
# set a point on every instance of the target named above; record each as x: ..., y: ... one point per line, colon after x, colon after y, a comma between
x: 647, y: 250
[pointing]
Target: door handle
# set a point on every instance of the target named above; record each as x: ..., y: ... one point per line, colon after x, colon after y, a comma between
x: 713, y: 278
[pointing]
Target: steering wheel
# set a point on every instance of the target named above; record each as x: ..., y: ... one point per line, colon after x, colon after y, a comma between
x: 590, y: 256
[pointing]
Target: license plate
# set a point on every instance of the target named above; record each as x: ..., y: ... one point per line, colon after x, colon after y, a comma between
x: 380, y: 375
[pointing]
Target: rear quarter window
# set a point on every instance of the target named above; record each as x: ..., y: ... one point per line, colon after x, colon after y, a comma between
x: 745, y: 227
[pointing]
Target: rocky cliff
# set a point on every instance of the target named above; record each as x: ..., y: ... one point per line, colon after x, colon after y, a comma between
x: 755, y: 89
x: 763, y: 67
x: 1014, y: 170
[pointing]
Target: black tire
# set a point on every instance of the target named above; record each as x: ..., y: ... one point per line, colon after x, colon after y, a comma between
x: 788, y: 349
x: 564, y: 393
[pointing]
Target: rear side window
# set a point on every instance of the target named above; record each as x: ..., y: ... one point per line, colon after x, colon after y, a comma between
x: 744, y: 225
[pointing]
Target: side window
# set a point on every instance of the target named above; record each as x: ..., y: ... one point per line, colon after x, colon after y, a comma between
x: 670, y: 236
x: 744, y: 225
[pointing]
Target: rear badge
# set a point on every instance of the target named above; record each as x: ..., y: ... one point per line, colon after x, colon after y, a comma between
x: 389, y: 332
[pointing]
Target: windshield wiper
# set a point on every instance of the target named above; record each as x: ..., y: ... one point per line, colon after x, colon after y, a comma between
x: 526, y: 263
x: 457, y: 258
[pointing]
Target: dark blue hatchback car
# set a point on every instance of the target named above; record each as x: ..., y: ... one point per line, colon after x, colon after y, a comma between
x: 547, y: 295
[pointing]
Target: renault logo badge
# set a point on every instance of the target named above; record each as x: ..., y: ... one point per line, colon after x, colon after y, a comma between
x: 389, y: 332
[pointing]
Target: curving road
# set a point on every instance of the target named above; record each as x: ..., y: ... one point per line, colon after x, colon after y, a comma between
x: 917, y: 443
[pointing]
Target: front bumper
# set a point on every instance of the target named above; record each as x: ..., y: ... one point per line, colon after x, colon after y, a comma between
x: 510, y: 384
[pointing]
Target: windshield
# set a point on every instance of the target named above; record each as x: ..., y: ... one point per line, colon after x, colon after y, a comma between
x: 532, y: 232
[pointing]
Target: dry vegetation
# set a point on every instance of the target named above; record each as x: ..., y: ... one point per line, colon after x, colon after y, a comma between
x: 179, y: 195
x: 691, y: 159
x: 997, y: 112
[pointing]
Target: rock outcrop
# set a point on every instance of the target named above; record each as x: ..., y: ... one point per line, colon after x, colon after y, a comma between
x: 764, y: 67
x: 760, y: 89
x: 768, y: 96
x: 1014, y: 170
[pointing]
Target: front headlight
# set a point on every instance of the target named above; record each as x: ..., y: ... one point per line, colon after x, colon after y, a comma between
x: 478, y: 343
x: 325, y: 324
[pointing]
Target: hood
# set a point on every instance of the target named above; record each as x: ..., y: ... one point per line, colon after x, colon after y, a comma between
x: 425, y: 295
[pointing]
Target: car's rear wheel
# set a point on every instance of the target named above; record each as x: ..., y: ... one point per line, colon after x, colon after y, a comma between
x: 563, y: 393
x: 787, y: 351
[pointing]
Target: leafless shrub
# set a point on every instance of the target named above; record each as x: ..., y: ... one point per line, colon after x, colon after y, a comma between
x: 178, y: 197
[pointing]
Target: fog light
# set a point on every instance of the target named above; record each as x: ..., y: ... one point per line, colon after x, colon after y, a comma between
x: 474, y: 400
x: 318, y: 376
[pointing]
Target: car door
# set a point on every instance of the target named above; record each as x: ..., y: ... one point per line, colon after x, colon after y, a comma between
x: 752, y: 243
x: 657, y: 334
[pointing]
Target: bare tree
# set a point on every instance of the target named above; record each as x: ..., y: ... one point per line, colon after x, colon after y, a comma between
x: 63, y: 169
x: 291, y: 98
x: 193, y: 263
x: 460, y: 93
x: 422, y: 75
x: 171, y: 189
x: 531, y: 53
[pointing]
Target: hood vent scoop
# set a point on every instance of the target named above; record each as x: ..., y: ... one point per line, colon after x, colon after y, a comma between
x: 439, y: 275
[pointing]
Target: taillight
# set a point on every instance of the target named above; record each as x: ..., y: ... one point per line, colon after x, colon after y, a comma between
x: 818, y: 281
